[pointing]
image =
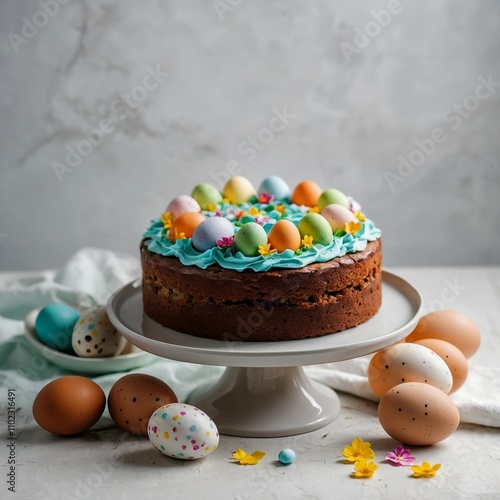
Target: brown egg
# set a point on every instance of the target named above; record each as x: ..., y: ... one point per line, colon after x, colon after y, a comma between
x: 306, y: 193
x: 69, y: 405
x: 451, y: 326
x: 453, y: 357
x: 418, y: 414
x: 134, y: 398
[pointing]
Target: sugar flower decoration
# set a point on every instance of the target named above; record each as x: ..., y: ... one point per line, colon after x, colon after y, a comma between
x: 225, y: 242
x: 266, y: 249
x: 211, y: 207
x: 358, y: 449
x: 245, y: 459
x: 425, y: 469
x: 265, y: 197
x: 314, y: 210
x: 254, y: 211
x: 400, y: 456
x: 179, y: 235
x: 280, y: 208
x: 167, y: 219
x: 352, y: 227
x: 262, y: 220
x: 307, y: 241
x: 360, y: 215
x: 364, y: 468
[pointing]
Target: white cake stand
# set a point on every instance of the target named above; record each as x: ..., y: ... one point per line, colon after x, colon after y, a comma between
x: 264, y: 391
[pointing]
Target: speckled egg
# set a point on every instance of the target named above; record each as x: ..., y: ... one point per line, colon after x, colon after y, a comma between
x: 315, y: 225
x: 332, y: 196
x: 182, y: 431
x: 275, y: 186
x: 54, y: 326
x: 182, y: 204
x: 94, y: 336
x: 238, y: 190
x: 306, y: 193
x: 284, y: 235
x: 451, y: 326
x: 206, y: 195
x: 133, y: 399
x: 337, y: 216
x: 418, y: 414
x: 248, y: 239
x: 407, y: 363
x: 185, y: 225
x: 452, y: 356
x: 211, y: 230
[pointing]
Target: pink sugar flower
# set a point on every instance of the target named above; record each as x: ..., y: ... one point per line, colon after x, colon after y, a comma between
x: 265, y: 198
x: 225, y: 242
x: 400, y: 456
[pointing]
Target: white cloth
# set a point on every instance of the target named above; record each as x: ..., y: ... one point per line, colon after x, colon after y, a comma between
x: 90, y: 277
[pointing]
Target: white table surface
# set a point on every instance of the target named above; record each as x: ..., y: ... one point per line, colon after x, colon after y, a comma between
x: 110, y: 463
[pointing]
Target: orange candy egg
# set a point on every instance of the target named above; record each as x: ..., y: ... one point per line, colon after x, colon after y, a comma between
x: 185, y: 225
x: 306, y: 193
x: 284, y: 235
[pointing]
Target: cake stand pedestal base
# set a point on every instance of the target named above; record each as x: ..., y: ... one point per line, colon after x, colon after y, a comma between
x: 267, y: 402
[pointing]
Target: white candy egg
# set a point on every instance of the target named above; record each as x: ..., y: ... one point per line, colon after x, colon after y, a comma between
x: 408, y: 363
x: 182, y: 431
x: 95, y: 337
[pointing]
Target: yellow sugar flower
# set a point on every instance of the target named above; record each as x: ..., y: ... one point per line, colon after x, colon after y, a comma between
x: 280, y: 208
x: 307, y: 241
x: 167, y: 219
x: 360, y: 215
x: 254, y: 211
x: 179, y: 236
x: 425, y: 470
x: 352, y: 227
x: 211, y: 207
x: 245, y: 459
x: 266, y: 249
x: 364, y: 468
x: 357, y: 450
x: 314, y: 210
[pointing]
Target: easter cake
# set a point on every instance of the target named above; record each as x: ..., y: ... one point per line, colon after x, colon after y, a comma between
x: 261, y: 265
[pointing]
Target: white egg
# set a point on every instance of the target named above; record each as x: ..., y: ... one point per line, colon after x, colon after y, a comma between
x: 94, y: 336
x: 402, y: 363
x: 182, y: 431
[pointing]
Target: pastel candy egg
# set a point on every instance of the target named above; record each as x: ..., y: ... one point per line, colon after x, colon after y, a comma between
x: 238, y: 190
x: 286, y: 456
x: 182, y: 204
x: 185, y: 225
x: 337, y: 216
x: 317, y: 226
x: 418, y: 414
x: 182, y: 431
x: 408, y: 363
x: 211, y: 230
x: 333, y: 196
x: 54, y: 326
x: 206, y: 194
x: 284, y: 235
x: 94, y: 336
x: 276, y: 187
x: 306, y: 193
x: 248, y: 239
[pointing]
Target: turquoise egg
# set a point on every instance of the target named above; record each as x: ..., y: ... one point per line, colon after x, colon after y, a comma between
x: 286, y: 456
x: 208, y: 232
x: 206, y: 194
x: 54, y: 326
x: 276, y: 186
x: 249, y: 237
x: 317, y: 226
x: 332, y: 196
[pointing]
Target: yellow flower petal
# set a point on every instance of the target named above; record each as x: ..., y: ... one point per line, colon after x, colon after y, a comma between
x: 239, y: 454
x: 352, y: 227
x: 258, y: 454
x: 360, y: 215
x: 358, y: 449
x: 245, y: 459
x: 364, y: 468
x: 425, y: 469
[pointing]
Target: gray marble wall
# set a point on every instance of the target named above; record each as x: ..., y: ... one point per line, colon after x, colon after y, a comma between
x: 394, y: 102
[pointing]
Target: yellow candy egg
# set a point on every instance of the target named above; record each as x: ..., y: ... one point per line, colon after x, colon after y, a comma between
x: 238, y: 190
x: 184, y: 225
x: 284, y: 235
x: 306, y: 193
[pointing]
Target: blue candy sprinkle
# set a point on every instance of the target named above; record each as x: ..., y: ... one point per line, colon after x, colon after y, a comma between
x: 193, y: 427
x: 164, y: 416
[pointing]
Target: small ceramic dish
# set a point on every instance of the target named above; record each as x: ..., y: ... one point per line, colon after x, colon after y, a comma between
x: 132, y: 357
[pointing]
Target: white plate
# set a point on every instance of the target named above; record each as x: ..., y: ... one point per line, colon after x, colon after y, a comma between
x: 133, y: 357
x: 398, y: 316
